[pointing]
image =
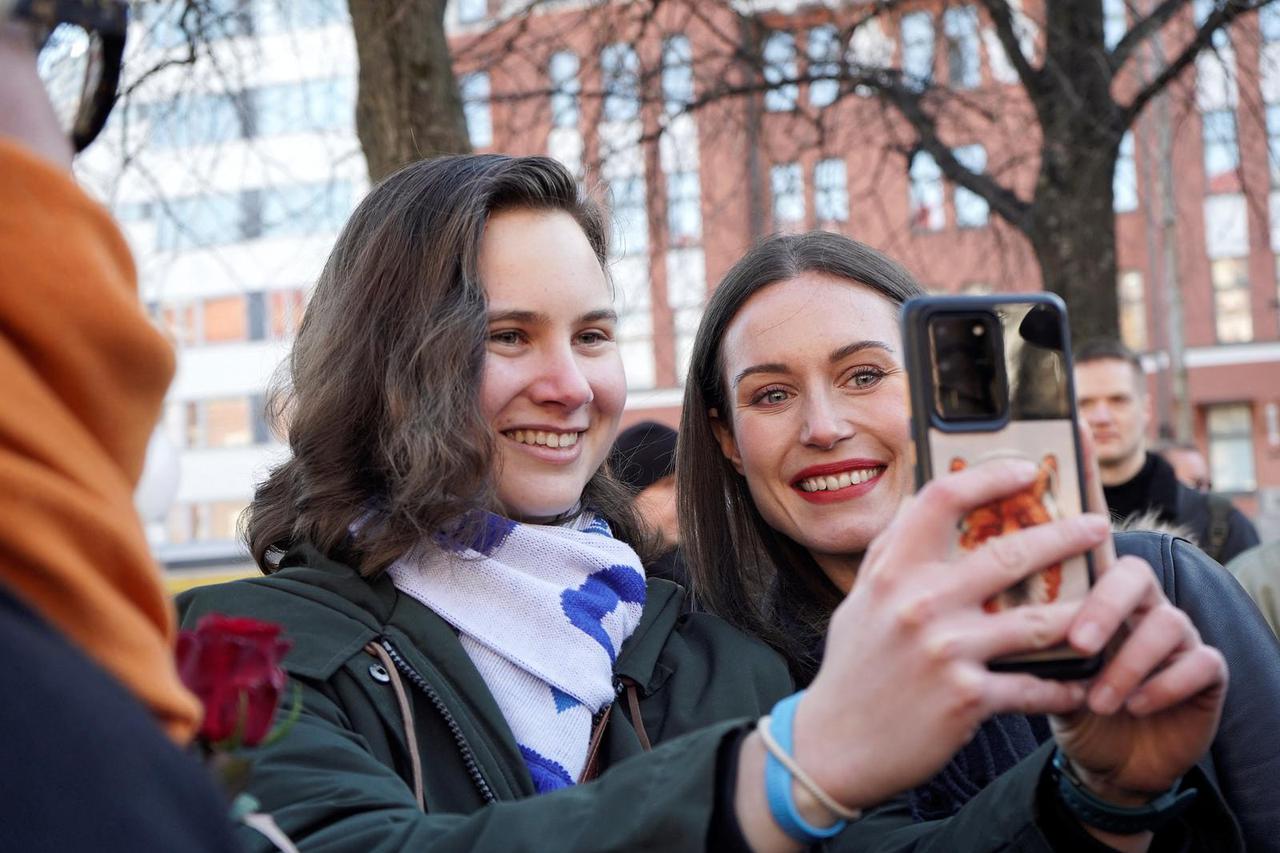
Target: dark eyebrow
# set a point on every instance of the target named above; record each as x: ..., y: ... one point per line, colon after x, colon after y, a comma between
x: 604, y: 314
x: 534, y: 317
x: 836, y: 356
x: 857, y: 347
x: 775, y: 367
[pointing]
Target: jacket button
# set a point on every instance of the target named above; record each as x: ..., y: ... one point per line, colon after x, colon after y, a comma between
x: 379, y: 673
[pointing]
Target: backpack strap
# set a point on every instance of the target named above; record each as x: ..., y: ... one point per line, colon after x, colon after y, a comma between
x: 1219, y: 526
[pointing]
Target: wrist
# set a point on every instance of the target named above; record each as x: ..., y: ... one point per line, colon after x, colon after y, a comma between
x: 815, y: 814
x: 1148, y: 814
x: 1099, y: 786
x: 828, y: 766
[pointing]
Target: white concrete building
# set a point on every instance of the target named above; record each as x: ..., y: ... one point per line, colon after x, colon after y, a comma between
x: 231, y: 173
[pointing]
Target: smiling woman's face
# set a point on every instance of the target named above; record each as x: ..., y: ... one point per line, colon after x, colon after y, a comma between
x: 818, y: 413
x: 553, y: 386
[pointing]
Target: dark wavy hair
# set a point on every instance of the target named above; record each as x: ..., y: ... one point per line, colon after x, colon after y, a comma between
x: 741, y: 568
x: 380, y: 396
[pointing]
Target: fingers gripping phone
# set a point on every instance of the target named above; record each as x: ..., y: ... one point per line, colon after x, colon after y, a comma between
x: 990, y: 377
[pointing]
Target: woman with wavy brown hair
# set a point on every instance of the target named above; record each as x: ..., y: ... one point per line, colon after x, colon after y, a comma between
x: 481, y: 662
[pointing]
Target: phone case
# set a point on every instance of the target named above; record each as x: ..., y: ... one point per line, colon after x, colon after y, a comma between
x: 1016, y: 399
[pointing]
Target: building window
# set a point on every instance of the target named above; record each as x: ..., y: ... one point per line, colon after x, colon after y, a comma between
x: 620, y: 67
x: 824, y: 66
x: 225, y: 319
x: 972, y: 209
x: 630, y: 216
x: 1221, y: 150
x: 927, y: 213
x: 470, y: 11
x: 830, y: 191
x: 287, y: 307
x: 917, y: 49
x: 304, y: 209
x: 474, y: 89
x: 1201, y: 9
x: 1133, y: 310
x: 204, y: 221
x: 677, y: 74
x: 565, y: 89
x: 180, y: 322
x: 189, y: 119
x: 788, y: 195
x: 964, y: 63
x: 1124, y: 181
x: 290, y: 16
x: 869, y: 47
x: 174, y: 24
x: 780, y: 66
x: 304, y: 107
x: 684, y: 208
x: 227, y: 423
x: 1269, y: 22
x: 1114, y: 22
x: 1226, y: 226
x: 1233, y: 319
x: 1231, y: 447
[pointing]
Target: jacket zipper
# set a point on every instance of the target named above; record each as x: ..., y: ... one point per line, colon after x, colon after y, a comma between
x: 459, y: 738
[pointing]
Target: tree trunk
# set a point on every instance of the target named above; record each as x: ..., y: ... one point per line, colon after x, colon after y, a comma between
x: 407, y: 106
x: 1072, y: 221
x: 1073, y: 234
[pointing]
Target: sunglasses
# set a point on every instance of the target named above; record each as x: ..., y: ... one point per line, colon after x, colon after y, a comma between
x: 82, y: 48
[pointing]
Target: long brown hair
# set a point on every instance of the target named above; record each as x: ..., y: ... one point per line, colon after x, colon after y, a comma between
x: 380, y: 396
x: 742, y: 569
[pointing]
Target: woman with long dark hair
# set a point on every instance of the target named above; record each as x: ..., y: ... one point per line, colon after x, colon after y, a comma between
x: 795, y: 473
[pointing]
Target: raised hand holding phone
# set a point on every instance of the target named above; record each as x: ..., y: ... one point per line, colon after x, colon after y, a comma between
x: 1153, y: 710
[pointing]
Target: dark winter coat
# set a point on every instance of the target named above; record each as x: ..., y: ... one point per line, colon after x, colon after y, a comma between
x: 343, y: 779
x: 85, y: 765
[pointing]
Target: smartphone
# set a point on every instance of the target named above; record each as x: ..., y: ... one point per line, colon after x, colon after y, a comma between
x: 990, y: 377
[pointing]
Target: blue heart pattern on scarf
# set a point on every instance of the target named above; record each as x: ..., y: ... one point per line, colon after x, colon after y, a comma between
x: 597, y: 597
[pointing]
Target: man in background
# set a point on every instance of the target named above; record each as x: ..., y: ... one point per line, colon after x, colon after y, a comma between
x: 644, y: 458
x: 1112, y: 394
x: 1189, y: 465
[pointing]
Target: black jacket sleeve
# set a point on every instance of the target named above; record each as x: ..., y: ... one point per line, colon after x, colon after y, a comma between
x: 1245, y: 756
x: 1021, y: 812
x: 1241, y: 535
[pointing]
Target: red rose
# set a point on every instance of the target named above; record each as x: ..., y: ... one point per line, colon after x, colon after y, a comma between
x: 233, y: 665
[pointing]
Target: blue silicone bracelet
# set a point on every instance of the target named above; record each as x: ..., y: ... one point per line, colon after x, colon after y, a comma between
x: 777, y: 780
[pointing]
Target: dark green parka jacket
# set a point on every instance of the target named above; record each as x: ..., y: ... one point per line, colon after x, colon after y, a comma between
x: 344, y: 779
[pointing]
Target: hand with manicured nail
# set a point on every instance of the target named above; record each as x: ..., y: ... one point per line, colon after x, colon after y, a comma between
x: 1153, y: 710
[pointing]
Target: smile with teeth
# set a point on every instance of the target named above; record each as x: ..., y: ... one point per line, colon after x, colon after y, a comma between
x: 831, y: 482
x: 545, y: 439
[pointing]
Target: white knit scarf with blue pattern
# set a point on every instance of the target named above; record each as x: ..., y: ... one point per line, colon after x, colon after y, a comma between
x: 542, y: 611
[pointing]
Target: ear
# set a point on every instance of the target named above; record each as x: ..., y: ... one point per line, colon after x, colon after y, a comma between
x: 724, y: 435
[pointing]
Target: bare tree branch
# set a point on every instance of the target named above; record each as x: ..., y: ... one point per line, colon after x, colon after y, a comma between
x: 1032, y: 78
x: 1002, y: 200
x: 1220, y: 17
x: 1144, y: 29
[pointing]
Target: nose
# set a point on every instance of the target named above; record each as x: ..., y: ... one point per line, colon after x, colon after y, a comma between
x: 1096, y: 412
x: 561, y: 380
x: 824, y: 424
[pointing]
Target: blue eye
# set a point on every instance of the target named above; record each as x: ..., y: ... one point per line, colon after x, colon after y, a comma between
x: 770, y: 396
x: 866, y: 377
